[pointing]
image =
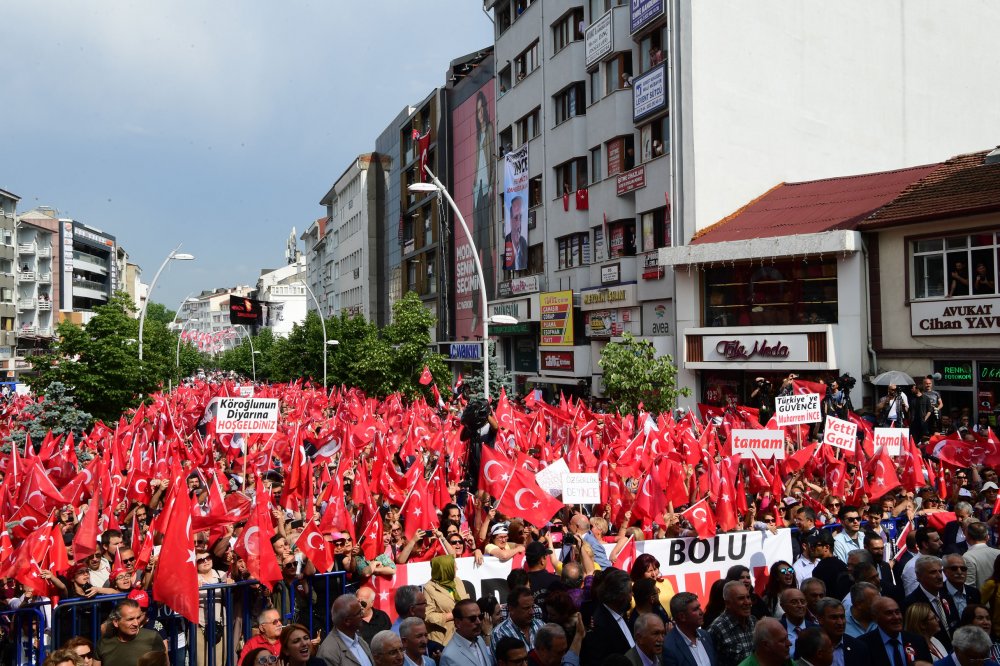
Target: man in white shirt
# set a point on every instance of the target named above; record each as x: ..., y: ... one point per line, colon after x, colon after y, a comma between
x: 851, y: 538
x: 928, y: 543
x: 413, y: 633
x: 687, y: 643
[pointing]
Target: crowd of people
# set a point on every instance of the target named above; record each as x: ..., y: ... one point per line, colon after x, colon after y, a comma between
x: 886, y: 549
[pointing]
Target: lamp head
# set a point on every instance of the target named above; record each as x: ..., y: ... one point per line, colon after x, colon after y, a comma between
x: 423, y: 187
x: 503, y: 319
x: 182, y: 256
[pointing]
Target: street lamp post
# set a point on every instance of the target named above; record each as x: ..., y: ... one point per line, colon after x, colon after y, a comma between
x: 177, y: 355
x: 253, y: 362
x: 322, y: 321
x: 174, y: 254
x: 437, y: 186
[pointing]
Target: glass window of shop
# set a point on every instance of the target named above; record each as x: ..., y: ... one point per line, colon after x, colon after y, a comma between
x: 956, y: 266
x: 786, y: 292
x: 970, y: 389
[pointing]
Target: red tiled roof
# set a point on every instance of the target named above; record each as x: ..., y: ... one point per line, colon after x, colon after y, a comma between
x: 960, y: 186
x: 813, y: 206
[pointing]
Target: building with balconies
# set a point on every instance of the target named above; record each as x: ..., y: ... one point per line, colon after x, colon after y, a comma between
x: 8, y: 284
x: 319, y: 270
x: 283, y: 293
x: 212, y: 332
x: 89, y: 267
x: 38, y: 285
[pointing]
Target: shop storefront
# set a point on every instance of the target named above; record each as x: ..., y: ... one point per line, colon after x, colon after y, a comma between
x: 517, y: 344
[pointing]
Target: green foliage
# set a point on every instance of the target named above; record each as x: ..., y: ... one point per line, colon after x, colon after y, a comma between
x: 56, y: 412
x: 633, y: 374
x: 99, y: 363
x: 159, y: 312
x: 500, y: 377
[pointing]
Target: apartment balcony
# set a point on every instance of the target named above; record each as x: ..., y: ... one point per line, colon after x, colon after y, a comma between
x: 44, y: 304
x: 26, y: 276
x: 90, y: 263
x: 44, y: 252
x: 45, y: 277
x: 27, y: 330
x: 26, y: 304
x: 45, y: 331
x: 26, y: 248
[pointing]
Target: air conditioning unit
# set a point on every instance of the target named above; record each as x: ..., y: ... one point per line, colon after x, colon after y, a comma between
x: 357, y: 273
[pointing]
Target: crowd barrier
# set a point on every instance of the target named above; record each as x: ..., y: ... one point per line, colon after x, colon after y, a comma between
x: 226, y: 619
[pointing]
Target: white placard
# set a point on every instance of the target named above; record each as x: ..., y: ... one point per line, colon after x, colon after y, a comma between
x: 840, y: 434
x: 247, y: 415
x: 581, y: 488
x: 599, y: 39
x: 246, y: 391
x: 893, y: 439
x: 765, y: 443
x: 550, y: 479
x: 790, y: 410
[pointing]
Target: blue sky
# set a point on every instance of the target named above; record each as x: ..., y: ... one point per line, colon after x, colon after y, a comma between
x: 219, y: 124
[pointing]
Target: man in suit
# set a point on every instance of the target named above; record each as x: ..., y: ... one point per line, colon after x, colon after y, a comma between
x: 888, y: 585
x: 610, y: 634
x: 961, y: 595
x: 795, y: 618
x: 813, y: 648
x: 387, y: 649
x: 972, y: 648
x: 953, y: 536
x: 930, y: 590
x: 687, y: 644
x: 832, y: 620
x: 515, y: 244
x: 467, y: 647
x: 344, y: 645
x: 649, y: 632
x: 980, y: 557
x: 413, y: 632
x: 889, y: 645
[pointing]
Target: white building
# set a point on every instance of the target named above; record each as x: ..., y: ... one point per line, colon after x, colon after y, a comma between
x: 205, y: 318
x: 284, y: 296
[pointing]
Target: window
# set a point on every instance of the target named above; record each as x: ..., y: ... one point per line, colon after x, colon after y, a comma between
x: 595, y: 164
x: 570, y: 102
x: 505, y: 80
x: 6, y: 295
x: 574, y: 250
x: 503, y: 18
x: 7, y: 323
x: 528, y: 127
x: 618, y: 72
x: 599, y: 7
x: 571, y: 176
x: 621, y: 154
x: 527, y: 62
x: 596, y: 86
x: 535, y: 192
x: 6, y: 266
x: 651, y: 49
x: 956, y: 266
x: 8, y: 237
x: 567, y: 30
x: 621, y: 239
x: 536, y: 259
x: 654, y: 139
x: 506, y: 141
x: 655, y: 230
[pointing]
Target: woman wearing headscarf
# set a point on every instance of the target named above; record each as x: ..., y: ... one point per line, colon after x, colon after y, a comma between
x: 444, y: 590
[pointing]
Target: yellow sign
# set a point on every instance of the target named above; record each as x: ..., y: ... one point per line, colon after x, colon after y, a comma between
x: 556, y: 318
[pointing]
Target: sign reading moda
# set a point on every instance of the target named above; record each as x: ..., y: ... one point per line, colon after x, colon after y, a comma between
x: 246, y: 415
x: 515, y: 210
x: 556, y: 318
x: 790, y: 347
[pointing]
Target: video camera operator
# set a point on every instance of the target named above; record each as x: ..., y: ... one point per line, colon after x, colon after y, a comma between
x: 762, y: 400
x: 893, y: 408
x: 479, y: 426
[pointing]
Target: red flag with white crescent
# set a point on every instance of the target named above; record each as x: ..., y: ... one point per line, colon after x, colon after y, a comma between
x: 316, y: 548
x: 701, y: 518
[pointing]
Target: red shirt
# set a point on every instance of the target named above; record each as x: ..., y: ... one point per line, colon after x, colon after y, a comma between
x: 259, y: 641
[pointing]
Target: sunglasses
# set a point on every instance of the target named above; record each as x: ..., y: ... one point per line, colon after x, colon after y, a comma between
x: 786, y: 570
x: 851, y: 519
x: 472, y: 618
x: 128, y: 561
x: 267, y: 659
x: 456, y: 543
x: 86, y: 655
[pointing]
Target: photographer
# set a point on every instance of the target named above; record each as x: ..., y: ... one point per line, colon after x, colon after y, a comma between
x: 835, y: 401
x: 479, y: 426
x: 762, y: 400
x: 892, y: 409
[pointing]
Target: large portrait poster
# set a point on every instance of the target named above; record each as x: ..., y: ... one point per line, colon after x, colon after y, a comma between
x: 474, y: 154
x: 515, y: 210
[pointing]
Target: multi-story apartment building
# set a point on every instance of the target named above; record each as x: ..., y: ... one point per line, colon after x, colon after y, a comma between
x: 212, y: 331
x: 88, y: 263
x: 353, y: 205
x: 390, y: 237
x: 283, y: 293
x: 8, y: 284
x: 319, y: 269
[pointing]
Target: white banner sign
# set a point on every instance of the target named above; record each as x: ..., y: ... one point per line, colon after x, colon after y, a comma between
x: 246, y: 391
x: 581, y: 489
x: 840, y: 434
x: 893, y: 439
x: 550, y: 479
x: 246, y: 415
x: 765, y: 443
x: 790, y: 410
x: 691, y: 565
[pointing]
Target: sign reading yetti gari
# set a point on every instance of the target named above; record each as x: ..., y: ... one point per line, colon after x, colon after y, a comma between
x: 840, y: 434
x: 246, y: 415
x: 765, y: 443
x: 690, y: 565
x: 792, y: 410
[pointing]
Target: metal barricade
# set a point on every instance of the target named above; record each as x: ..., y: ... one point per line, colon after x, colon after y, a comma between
x: 24, y: 634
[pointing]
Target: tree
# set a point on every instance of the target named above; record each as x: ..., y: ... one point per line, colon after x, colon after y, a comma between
x: 159, y: 312
x: 500, y: 377
x: 634, y: 375
x: 55, y: 412
x: 238, y: 359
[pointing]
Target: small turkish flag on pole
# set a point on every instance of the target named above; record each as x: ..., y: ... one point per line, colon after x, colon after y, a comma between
x: 700, y: 516
x: 426, y: 377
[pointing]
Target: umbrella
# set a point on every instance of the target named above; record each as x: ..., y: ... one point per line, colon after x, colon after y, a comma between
x: 894, y: 377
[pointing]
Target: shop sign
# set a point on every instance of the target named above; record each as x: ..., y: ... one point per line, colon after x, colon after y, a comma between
x: 643, y: 12
x: 556, y: 309
x: 618, y: 297
x: 522, y: 328
x: 519, y: 309
x: 656, y: 318
x: 797, y: 409
x: 519, y: 286
x: 558, y: 360
x: 765, y: 443
x: 975, y: 316
x: 735, y: 348
x: 633, y: 179
x: 651, y: 268
x: 989, y: 372
x: 603, y: 323
x: 599, y: 39
x: 610, y: 273
x: 465, y: 351
x: 957, y: 372
x: 649, y: 93
x: 614, y: 156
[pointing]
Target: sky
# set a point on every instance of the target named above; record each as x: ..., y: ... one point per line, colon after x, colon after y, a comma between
x: 215, y: 125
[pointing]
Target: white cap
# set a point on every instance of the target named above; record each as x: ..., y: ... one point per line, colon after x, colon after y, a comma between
x: 989, y: 485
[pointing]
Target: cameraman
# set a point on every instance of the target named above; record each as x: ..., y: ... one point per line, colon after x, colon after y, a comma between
x: 761, y: 399
x: 479, y: 426
x: 835, y: 401
x: 892, y: 409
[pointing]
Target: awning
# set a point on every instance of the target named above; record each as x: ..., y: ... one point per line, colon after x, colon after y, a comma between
x: 826, y: 242
x: 570, y: 381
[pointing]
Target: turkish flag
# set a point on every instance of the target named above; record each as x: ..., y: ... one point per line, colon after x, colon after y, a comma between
x: 582, y: 199
x: 416, y: 514
x: 700, y: 516
x: 177, y: 582
x: 901, y: 540
x: 495, y: 472
x: 566, y: 201
x: 85, y: 539
x: 798, y: 460
x: 426, y: 377
x: 254, y: 544
x: 885, y: 473
x: 626, y: 557
x: 525, y: 499
x: 650, y: 501
x: 315, y: 547
x: 940, y: 519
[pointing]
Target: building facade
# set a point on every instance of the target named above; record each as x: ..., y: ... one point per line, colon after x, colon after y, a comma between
x: 8, y: 284
x: 88, y: 263
x: 389, y: 237
x: 284, y: 296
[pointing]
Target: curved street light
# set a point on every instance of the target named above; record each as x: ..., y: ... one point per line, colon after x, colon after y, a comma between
x: 253, y: 362
x: 322, y: 321
x: 177, y: 355
x: 174, y: 255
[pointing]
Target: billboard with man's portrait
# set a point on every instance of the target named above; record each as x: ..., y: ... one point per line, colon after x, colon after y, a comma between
x: 515, y: 210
